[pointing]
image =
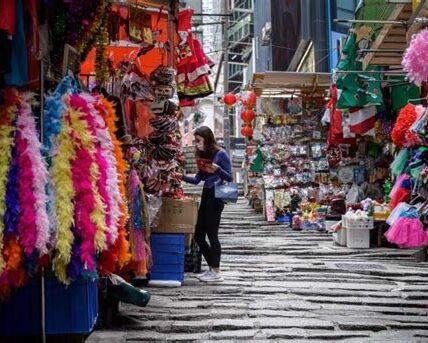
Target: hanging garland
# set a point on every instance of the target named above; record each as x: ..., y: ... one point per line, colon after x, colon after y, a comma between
x: 101, y: 58
x: 92, y: 32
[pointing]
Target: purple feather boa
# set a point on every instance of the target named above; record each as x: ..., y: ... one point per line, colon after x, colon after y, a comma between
x: 12, y: 213
x: 75, y: 266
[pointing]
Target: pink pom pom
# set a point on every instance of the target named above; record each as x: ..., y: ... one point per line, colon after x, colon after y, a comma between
x: 415, y: 59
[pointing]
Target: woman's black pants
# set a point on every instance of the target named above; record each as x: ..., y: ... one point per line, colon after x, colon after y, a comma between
x: 209, y: 216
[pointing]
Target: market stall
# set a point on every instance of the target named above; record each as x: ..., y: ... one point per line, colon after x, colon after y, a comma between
x: 90, y: 168
x: 319, y: 148
x: 287, y: 168
x: 369, y: 78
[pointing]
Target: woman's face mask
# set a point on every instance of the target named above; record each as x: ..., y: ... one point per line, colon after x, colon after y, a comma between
x: 199, y: 142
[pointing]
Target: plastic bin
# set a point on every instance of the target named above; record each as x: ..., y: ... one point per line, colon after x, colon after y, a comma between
x: 69, y: 310
x: 168, y: 257
x: 340, y: 237
x: 168, y: 276
x: 283, y: 219
x: 358, y: 238
x: 168, y: 243
x: 169, y: 268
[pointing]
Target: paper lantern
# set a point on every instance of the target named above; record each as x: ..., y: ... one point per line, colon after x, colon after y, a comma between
x: 247, y: 131
x: 248, y: 98
x: 248, y: 115
x: 229, y: 99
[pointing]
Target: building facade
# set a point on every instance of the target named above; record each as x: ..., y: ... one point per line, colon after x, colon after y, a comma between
x: 305, y: 37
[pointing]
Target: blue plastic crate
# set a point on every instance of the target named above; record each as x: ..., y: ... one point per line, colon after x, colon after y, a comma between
x: 283, y: 219
x: 72, y: 309
x: 174, y: 268
x: 171, y: 276
x: 69, y: 310
x: 167, y: 258
x: 161, y: 238
x: 20, y: 315
x: 168, y: 243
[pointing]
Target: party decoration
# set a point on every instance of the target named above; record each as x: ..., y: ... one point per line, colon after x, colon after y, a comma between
x: 248, y: 115
x: 414, y: 59
x: 401, y: 135
x: 248, y: 98
x: 101, y: 58
x: 247, y: 131
x: 229, y: 99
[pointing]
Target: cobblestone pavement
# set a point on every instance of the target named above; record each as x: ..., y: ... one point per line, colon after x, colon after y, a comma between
x: 287, y: 286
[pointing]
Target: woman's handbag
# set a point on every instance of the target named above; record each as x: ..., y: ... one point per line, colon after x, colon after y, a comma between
x: 226, y: 191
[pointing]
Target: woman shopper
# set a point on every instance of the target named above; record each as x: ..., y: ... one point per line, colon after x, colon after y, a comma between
x: 213, y: 166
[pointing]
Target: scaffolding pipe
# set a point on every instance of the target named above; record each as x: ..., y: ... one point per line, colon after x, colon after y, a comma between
x: 361, y: 21
x: 383, y: 50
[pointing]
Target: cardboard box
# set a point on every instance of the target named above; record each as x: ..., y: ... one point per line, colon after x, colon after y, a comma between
x: 177, y: 216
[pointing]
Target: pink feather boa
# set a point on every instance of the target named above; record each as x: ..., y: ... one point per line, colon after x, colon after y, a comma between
x: 27, y: 128
x: 27, y: 229
x: 85, y: 104
x: 415, y: 58
x: 109, y: 189
x: 84, y: 205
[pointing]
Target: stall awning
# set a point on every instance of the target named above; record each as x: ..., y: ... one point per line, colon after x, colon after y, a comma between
x: 281, y: 83
x: 391, y: 41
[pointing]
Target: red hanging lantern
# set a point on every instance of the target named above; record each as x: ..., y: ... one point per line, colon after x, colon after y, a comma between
x: 229, y: 99
x: 248, y: 98
x: 248, y: 115
x: 247, y: 131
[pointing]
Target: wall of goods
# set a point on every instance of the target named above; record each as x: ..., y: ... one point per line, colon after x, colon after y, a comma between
x: 367, y: 172
x: 86, y: 175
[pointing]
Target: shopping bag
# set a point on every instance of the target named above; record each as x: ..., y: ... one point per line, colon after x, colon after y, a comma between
x: 226, y: 191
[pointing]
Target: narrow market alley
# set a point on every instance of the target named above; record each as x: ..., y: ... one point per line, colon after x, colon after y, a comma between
x: 287, y: 286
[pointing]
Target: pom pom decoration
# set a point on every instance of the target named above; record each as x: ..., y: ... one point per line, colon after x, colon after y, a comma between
x: 401, y: 136
x: 415, y: 58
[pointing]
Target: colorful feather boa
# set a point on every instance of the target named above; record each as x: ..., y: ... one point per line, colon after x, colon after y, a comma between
x: 26, y: 224
x: 14, y: 273
x: 13, y: 211
x: 7, y: 130
x: 27, y: 131
x: 81, y: 170
x: 136, y: 220
x: 64, y: 204
x: 122, y: 244
x: 53, y: 113
x: 82, y: 123
x: 105, y: 138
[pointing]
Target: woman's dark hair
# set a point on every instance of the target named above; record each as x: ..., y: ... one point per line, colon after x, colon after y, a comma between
x: 210, y: 144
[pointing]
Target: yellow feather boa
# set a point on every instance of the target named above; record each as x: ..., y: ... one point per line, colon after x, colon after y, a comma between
x: 98, y: 215
x: 63, y: 184
x: 6, y: 143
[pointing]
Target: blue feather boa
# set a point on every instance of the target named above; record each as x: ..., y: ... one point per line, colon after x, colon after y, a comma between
x: 12, y: 212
